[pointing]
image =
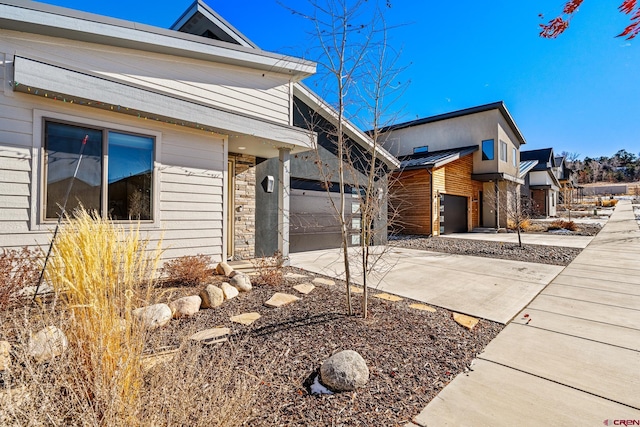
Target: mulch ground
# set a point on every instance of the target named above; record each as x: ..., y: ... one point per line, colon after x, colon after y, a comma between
x: 411, y: 354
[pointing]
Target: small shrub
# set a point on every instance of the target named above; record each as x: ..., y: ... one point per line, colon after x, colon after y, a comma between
x: 18, y: 268
x: 190, y: 270
x: 269, y: 270
x: 561, y: 224
x: 525, y: 224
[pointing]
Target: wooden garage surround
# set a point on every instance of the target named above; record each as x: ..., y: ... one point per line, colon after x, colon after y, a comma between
x: 412, y: 197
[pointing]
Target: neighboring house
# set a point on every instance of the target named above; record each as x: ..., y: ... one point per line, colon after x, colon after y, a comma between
x: 458, y: 170
x: 568, y: 193
x: 178, y: 123
x: 541, y: 184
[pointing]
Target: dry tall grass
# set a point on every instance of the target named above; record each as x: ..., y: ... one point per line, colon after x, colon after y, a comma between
x: 104, y: 272
x: 100, y: 272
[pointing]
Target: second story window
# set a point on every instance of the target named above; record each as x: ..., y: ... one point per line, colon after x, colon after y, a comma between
x: 487, y: 149
x: 423, y: 149
x: 503, y: 151
x: 515, y: 157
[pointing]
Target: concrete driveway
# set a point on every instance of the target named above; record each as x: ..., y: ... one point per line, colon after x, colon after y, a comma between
x: 546, y: 239
x: 492, y: 289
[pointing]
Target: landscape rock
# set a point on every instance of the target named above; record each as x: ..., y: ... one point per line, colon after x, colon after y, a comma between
x: 229, y: 291
x: 321, y: 281
x: 224, y: 269
x: 154, y: 316
x: 304, y: 288
x: 211, y: 336
x: 279, y: 299
x: 423, y: 307
x: 5, y: 355
x: 344, y: 371
x: 47, y: 344
x: 295, y: 276
x: 245, y: 318
x: 212, y: 296
x: 388, y: 297
x: 241, y: 282
x: 185, y: 306
x: 464, y: 320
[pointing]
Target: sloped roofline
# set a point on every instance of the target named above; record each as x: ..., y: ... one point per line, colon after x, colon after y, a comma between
x: 214, y: 18
x: 38, y: 18
x: 500, y: 106
x: 329, y: 113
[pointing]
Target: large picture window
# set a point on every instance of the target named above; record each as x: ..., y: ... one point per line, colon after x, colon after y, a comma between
x: 115, y: 176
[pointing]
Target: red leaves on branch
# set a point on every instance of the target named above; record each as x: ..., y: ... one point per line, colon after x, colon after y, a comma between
x: 558, y: 25
x: 630, y: 7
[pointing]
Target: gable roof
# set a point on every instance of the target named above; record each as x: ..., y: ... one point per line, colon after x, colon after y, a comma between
x: 435, y: 159
x: 544, y: 156
x: 199, y: 16
x: 460, y: 113
x: 55, y: 21
x: 200, y: 19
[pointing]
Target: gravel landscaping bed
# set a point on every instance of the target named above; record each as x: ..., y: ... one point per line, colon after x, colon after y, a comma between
x: 411, y: 354
x: 554, y: 255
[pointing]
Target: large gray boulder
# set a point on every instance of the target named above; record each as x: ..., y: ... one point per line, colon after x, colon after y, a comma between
x: 153, y: 316
x: 344, y: 371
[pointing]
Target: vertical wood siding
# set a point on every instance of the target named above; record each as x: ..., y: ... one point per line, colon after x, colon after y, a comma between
x: 412, y: 196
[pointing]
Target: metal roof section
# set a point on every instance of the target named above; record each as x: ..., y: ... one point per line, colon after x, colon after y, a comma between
x: 328, y: 112
x: 37, y: 18
x: 526, y: 166
x: 544, y: 156
x: 201, y: 20
x: 435, y: 159
x: 460, y: 113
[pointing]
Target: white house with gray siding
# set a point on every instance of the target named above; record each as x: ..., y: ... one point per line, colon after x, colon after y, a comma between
x: 172, y: 120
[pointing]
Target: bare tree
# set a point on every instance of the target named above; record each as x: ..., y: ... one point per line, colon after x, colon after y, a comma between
x: 512, y: 206
x: 358, y: 75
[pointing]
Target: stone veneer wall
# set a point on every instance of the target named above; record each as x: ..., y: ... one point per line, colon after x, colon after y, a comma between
x: 245, y: 206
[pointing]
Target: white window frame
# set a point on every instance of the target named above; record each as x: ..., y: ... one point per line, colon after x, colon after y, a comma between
x: 503, y: 151
x: 515, y: 157
x: 37, y: 220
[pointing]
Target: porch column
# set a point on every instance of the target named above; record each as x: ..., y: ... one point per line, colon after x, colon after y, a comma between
x: 284, y: 191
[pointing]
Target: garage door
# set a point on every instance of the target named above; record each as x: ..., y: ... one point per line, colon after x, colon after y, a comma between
x: 453, y: 214
x: 313, y: 224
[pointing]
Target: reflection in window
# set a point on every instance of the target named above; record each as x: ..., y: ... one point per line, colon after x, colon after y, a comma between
x: 129, y: 176
x: 487, y: 149
x: 503, y: 151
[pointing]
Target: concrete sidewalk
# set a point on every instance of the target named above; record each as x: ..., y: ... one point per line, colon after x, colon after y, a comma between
x: 493, y: 289
x: 571, y: 357
x: 547, y: 239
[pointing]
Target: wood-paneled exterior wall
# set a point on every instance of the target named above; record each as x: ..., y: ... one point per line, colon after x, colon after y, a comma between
x: 412, y: 197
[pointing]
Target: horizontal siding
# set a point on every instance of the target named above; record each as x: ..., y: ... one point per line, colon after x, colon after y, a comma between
x: 262, y: 95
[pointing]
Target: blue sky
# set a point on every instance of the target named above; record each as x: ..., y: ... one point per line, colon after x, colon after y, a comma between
x: 578, y: 93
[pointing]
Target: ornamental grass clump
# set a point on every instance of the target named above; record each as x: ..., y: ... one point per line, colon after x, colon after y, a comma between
x: 103, y: 271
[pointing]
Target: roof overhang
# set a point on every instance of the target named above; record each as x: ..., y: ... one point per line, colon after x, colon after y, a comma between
x: 327, y: 112
x: 500, y: 106
x: 437, y: 160
x: 64, y: 84
x: 526, y: 166
x: 544, y: 187
x: 54, y: 21
x: 488, y: 177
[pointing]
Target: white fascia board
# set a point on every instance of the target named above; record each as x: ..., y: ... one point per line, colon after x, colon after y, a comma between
x: 35, y: 18
x: 33, y: 74
x: 329, y: 113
